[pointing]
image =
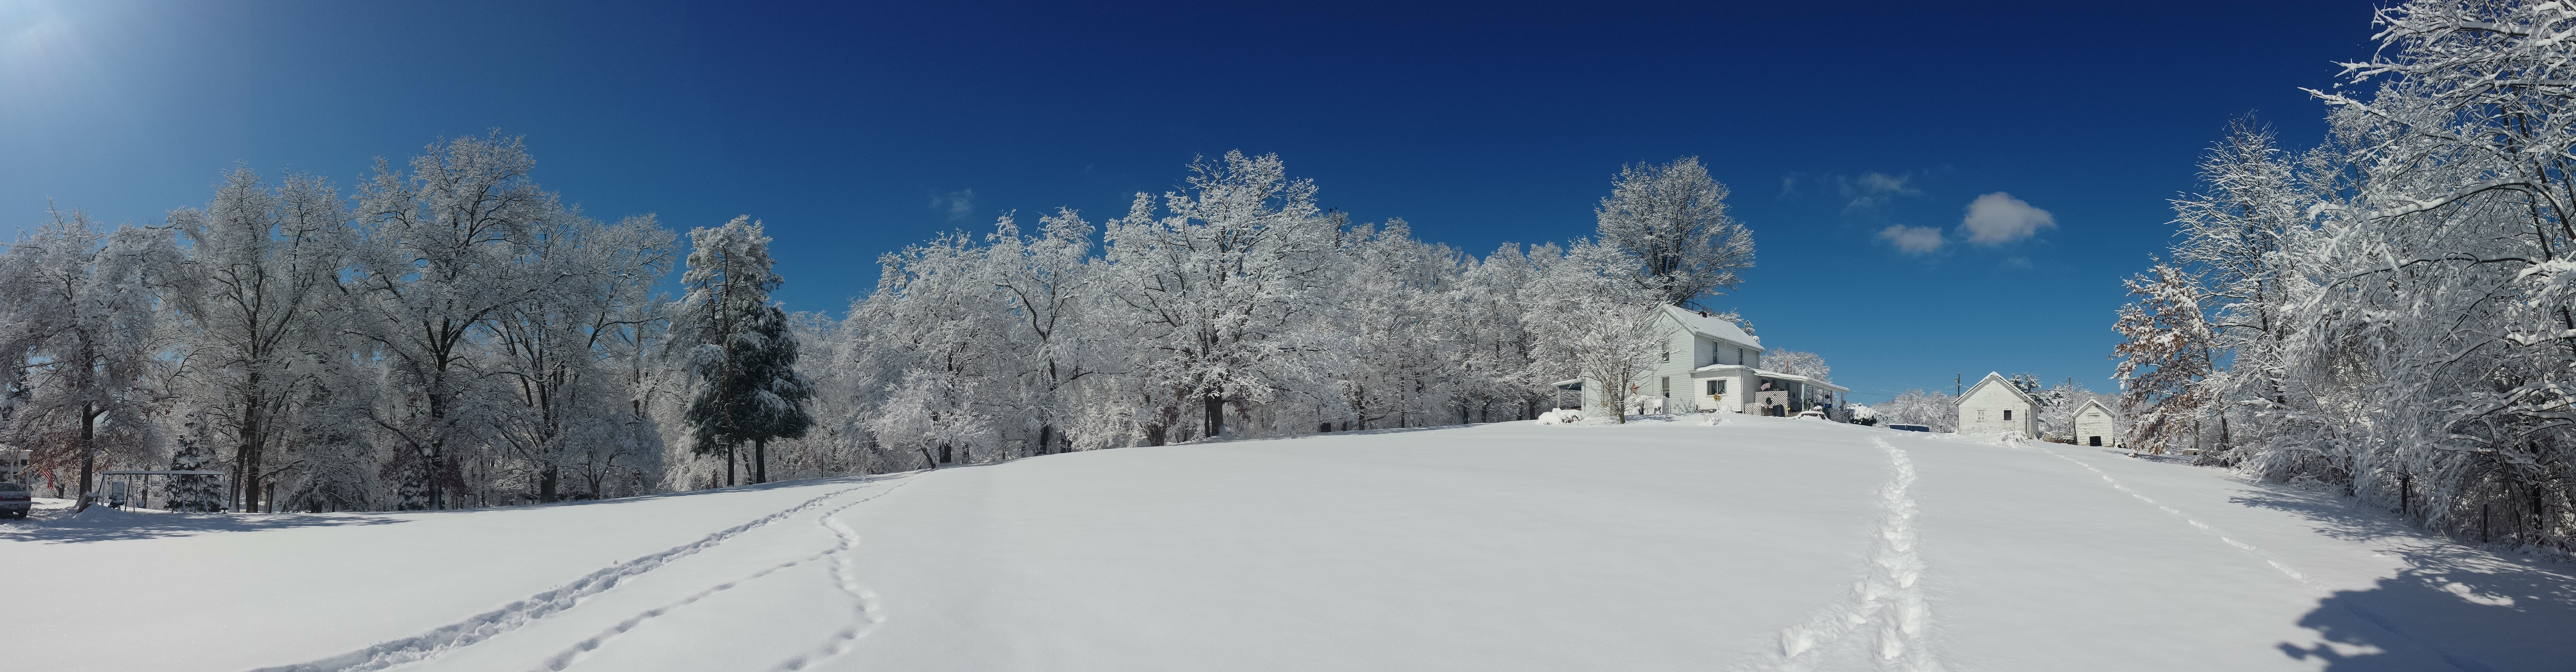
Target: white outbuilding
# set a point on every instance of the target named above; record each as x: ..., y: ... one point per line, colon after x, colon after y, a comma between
x: 2094, y: 424
x: 1995, y: 407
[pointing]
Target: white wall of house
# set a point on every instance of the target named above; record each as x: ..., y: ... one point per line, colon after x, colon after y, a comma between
x: 1690, y: 342
x: 2094, y: 425
x: 1994, y: 407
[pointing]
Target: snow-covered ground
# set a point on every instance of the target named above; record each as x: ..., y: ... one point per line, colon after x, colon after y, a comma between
x: 1758, y: 544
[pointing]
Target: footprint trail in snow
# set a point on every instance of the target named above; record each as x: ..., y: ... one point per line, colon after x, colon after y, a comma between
x: 1882, y: 623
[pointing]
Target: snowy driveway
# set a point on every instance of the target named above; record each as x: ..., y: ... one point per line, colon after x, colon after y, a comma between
x: 1760, y: 544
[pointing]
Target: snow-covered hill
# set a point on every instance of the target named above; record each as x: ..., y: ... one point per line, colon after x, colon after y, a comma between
x: 1759, y: 544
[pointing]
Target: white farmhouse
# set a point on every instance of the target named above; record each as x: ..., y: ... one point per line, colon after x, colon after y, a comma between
x: 1995, y: 407
x: 1710, y: 365
x: 2094, y: 424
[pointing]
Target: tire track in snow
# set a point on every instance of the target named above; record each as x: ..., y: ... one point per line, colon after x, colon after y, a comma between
x: 2314, y: 588
x: 517, y: 614
x: 1884, y: 621
x: 848, y: 539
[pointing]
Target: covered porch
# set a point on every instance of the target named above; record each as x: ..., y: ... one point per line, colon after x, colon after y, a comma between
x: 1736, y: 388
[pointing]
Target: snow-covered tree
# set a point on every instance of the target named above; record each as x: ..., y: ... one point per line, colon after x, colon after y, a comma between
x: 1224, y: 284
x: 83, y: 324
x: 741, y: 354
x: 443, y: 251
x: 195, y: 452
x: 1798, y: 363
x: 553, y: 347
x: 1606, y: 325
x: 1052, y: 289
x: 1671, y: 218
x: 260, y: 294
x: 2166, y: 349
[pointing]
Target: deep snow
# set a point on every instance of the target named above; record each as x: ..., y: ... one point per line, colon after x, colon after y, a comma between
x: 1756, y: 544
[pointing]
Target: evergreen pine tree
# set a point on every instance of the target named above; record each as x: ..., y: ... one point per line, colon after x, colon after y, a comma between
x: 196, y: 453
x: 740, y: 352
x: 763, y: 399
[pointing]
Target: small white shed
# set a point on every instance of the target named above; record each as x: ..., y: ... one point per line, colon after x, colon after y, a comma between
x: 1995, y: 407
x: 2094, y: 424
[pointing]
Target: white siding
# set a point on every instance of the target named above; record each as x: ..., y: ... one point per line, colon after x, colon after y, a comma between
x: 1689, y: 350
x: 1982, y: 409
x: 2094, y: 421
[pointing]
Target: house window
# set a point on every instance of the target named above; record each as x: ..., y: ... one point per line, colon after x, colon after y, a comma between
x: 1717, y: 387
x: 1668, y: 352
x: 2007, y: 414
x: 1668, y: 387
x: 1981, y: 415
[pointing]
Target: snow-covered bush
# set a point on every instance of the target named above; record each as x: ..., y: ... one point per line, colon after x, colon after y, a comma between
x: 1934, y: 409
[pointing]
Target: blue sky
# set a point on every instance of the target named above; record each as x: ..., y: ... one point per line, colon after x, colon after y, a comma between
x: 855, y: 128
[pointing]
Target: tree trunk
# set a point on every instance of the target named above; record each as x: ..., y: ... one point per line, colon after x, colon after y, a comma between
x: 1215, y: 416
x: 246, y: 486
x: 729, y: 466
x: 546, y: 481
x: 437, y: 438
x: 759, y: 461
x: 89, y: 451
x: 1046, y: 433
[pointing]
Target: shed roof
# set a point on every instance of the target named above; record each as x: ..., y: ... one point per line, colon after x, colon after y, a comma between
x: 1998, y: 379
x: 1713, y: 328
x: 2095, y: 402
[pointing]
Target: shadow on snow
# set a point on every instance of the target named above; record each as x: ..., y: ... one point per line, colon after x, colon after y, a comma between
x: 2473, y: 610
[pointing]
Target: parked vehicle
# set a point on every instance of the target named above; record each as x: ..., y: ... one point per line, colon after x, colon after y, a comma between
x: 15, y: 500
x: 1813, y: 414
x: 1910, y: 428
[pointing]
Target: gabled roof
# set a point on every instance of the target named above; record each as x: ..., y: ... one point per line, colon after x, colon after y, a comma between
x: 1712, y: 327
x: 1998, y: 379
x: 2095, y: 402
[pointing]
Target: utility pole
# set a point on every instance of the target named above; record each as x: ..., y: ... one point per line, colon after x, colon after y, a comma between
x: 1954, y: 384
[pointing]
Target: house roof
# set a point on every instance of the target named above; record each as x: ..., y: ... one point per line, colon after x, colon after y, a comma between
x: 1713, y: 328
x: 1998, y: 379
x: 2097, y: 403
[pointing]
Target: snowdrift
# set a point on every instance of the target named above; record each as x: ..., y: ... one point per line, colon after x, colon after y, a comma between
x: 1756, y: 544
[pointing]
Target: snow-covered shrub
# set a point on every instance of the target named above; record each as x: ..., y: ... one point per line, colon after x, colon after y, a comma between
x: 1934, y: 409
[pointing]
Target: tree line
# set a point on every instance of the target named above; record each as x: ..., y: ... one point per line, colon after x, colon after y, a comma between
x: 449, y: 334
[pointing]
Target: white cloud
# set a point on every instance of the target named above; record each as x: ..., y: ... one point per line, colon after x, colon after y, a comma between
x: 1872, y: 189
x: 1913, y: 239
x: 1998, y: 218
x: 958, y: 204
